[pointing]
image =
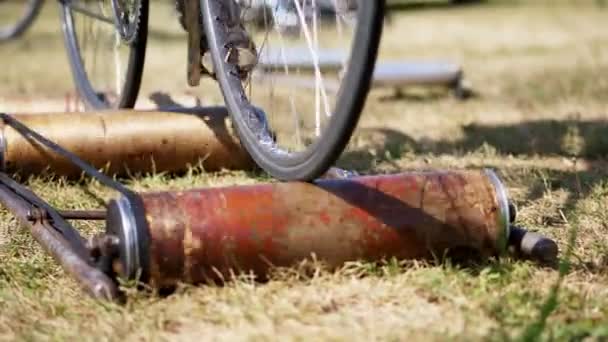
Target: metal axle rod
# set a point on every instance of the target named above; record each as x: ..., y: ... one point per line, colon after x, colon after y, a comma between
x: 84, y: 215
x: 71, y: 255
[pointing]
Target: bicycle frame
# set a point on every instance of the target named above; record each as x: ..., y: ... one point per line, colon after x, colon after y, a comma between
x: 193, y: 27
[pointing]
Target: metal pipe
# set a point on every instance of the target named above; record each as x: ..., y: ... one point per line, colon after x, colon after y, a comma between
x: 201, y: 235
x: 125, y: 142
x: 89, y: 215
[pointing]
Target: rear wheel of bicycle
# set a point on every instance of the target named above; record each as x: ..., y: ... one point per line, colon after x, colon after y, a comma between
x: 16, y: 16
x: 295, y: 112
x: 106, y: 66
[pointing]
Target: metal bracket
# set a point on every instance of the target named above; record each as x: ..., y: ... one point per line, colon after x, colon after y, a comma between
x: 57, y: 237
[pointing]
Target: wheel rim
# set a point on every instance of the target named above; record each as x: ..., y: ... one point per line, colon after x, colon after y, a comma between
x: 100, y: 56
x: 12, y: 16
x: 303, y: 52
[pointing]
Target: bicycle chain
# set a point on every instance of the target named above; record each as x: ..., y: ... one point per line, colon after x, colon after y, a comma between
x: 132, y: 28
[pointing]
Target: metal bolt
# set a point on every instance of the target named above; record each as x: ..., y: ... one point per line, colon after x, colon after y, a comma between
x: 36, y: 214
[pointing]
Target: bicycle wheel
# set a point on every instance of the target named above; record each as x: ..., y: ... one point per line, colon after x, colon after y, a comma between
x: 293, y: 114
x: 16, y: 16
x: 106, y: 67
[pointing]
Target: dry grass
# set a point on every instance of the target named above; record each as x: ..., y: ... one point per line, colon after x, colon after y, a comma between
x: 540, y: 118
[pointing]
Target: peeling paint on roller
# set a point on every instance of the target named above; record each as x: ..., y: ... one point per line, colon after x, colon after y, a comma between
x: 210, y: 234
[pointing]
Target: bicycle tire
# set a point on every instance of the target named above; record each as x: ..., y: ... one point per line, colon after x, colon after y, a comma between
x: 319, y: 156
x: 17, y: 29
x: 134, y: 71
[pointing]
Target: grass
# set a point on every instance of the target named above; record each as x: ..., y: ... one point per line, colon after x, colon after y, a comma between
x: 540, y: 118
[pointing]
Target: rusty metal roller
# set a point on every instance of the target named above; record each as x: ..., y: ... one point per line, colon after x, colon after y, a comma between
x: 126, y: 141
x: 201, y: 235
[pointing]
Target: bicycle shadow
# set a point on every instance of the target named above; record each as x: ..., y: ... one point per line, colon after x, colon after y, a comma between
x: 566, y: 181
x: 585, y: 140
x: 372, y: 146
x: 419, y: 235
x: 566, y: 138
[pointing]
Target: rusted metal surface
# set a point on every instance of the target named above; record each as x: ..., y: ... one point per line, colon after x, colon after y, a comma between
x: 128, y: 141
x: 207, y: 234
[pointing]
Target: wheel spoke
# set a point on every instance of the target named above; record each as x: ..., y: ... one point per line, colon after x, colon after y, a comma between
x: 304, y: 48
x: 292, y: 103
x: 117, y: 64
x: 101, y: 59
x: 310, y: 41
x: 298, y: 20
x: 76, y: 7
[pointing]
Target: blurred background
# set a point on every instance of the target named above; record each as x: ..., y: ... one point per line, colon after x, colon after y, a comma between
x: 538, y: 70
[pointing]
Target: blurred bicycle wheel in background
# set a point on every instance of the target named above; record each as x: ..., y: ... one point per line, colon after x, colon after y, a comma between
x: 16, y: 16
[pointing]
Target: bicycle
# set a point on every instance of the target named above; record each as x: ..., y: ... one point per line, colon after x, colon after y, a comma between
x: 225, y: 43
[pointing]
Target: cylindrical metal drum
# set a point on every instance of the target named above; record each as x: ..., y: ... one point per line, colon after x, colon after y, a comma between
x: 126, y: 141
x: 200, y: 235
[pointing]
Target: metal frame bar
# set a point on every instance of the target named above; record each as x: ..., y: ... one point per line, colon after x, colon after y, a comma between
x: 84, y: 10
x: 49, y: 226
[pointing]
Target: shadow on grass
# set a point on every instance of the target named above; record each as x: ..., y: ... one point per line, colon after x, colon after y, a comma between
x: 569, y: 139
x: 581, y: 139
x: 587, y: 139
x: 376, y: 145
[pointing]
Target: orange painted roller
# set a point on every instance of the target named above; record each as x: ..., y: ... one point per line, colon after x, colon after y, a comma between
x: 126, y: 141
x: 199, y: 235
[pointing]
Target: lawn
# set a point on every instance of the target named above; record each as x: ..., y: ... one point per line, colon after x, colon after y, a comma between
x: 540, y: 118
